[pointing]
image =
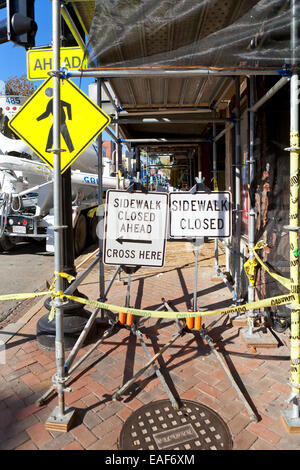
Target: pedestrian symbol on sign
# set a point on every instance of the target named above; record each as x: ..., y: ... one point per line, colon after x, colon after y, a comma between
x: 63, y: 128
x: 81, y: 121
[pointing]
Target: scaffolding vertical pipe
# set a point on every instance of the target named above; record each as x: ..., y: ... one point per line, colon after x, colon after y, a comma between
x: 251, y: 162
x: 100, y: 203
x: 196, y: 247
x: 214, y: 173
x: 197, y: 243
x: 147, y: 165
x: 129, y: 317
x: 237, y: 172
x: 59, y: 338
x: 61, y: 417
x: 138, y: 163
x: 292, y: 417
x: 117, y: 151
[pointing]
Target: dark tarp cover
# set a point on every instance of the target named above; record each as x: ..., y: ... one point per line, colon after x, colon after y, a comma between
x: 209, y: 33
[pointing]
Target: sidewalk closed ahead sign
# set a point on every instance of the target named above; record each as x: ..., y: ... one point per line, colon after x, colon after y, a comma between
x: 135, y: 228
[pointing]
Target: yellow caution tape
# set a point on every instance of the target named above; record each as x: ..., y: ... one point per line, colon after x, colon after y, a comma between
x: 270, y: 302
x: 281, y: 279
x: 57, y: 293
x: 215, y: 182
x: 294, y: 259
x: 69, y: 277
x: 53, y: 293
x: 51, y: 314
x: 92, y: 212
x: 22, y: 296
x: 249, y: 268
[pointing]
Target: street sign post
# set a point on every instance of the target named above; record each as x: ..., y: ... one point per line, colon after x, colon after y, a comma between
x: 81, y: 122
x: 39, y: 61
x: 200, y: 214
x: 135, y: 228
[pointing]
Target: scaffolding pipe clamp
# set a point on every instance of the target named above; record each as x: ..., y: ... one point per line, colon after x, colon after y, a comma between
x: 292, y: 149
x: 56, y: 73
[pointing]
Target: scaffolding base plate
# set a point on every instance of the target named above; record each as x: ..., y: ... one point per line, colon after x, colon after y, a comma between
x: 58, y: 423
x: 261, y: 338
x: 292, y: 424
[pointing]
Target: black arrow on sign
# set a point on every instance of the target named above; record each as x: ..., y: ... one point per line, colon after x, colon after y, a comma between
x: 127, y: 240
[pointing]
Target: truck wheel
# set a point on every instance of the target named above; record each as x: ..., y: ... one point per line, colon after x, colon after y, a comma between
x: 80, y: 232
x: 93, y: 229
x: 5, y: 243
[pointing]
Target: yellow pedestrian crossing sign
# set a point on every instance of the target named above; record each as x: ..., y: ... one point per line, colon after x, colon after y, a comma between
x: 81, y: 122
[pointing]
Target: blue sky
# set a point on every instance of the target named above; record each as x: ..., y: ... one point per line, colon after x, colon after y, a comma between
x: 13, y: 58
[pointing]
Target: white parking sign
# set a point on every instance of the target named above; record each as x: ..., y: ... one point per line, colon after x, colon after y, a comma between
x: 200, y: 214
x: 135, y: 228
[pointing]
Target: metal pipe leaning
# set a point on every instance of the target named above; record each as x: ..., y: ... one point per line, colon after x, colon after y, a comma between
x: 252, y: 415
x: 254, y: 107
x: 52, y: 389
x: 156, y: 368
x: 149, y: 363
x: 83, y: 335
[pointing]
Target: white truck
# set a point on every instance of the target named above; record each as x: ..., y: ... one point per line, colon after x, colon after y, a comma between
x: 26, y: 189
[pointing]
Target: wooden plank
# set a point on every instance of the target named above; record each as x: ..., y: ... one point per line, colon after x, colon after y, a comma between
x: 56, y: 423
x: 290, y: 429
x: 58, y: 427
x: 242, y: 320
x: 239, y: 320
x: 261, y: 338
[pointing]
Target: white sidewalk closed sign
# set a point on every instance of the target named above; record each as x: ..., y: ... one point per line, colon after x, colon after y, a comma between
x: 135, y: 228
x: 200, y: 214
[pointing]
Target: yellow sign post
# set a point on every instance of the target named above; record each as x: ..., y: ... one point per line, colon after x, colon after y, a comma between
x: 81, y: 122
x: 39, y: 61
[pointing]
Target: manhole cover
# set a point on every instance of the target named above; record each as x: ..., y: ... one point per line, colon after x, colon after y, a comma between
x: 157, y: 426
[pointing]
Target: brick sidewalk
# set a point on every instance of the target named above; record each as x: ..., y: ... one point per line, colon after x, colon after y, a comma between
x: 190, y: 367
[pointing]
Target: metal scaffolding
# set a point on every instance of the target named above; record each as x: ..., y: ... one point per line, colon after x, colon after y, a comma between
x: 61, y: 414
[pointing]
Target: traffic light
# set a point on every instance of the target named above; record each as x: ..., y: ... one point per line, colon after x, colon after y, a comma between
x: 19, y: 25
